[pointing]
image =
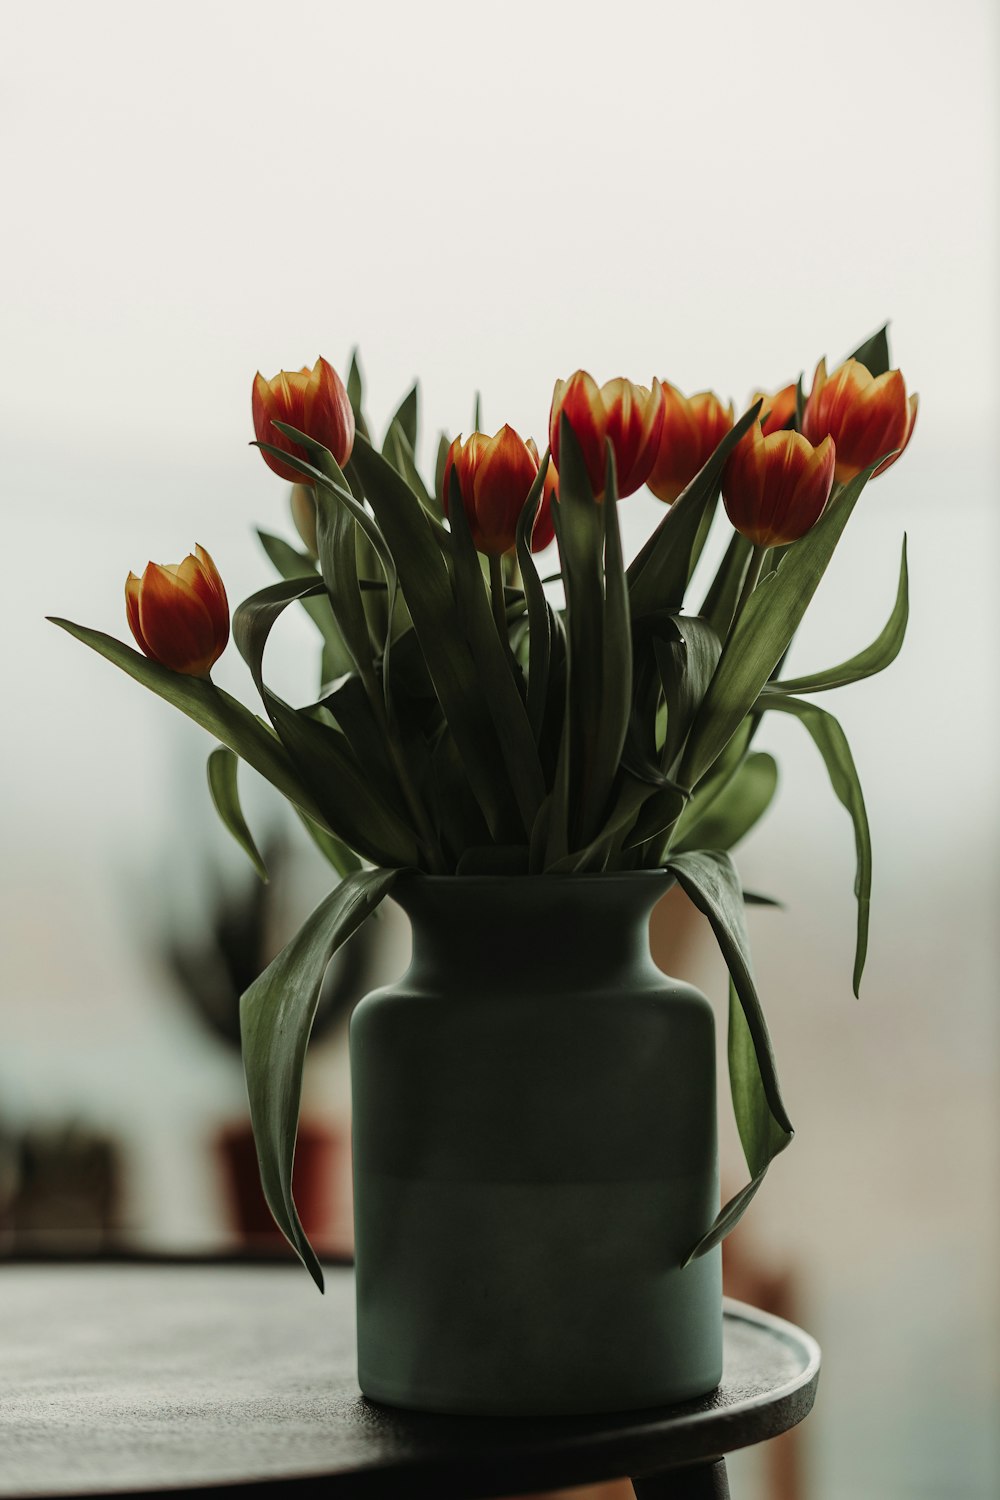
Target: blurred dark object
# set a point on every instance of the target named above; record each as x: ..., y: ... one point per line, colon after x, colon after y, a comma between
x: 321, y: 1182
x: 248, y: 923
x: 244, y: 935
x: 60, y: 1192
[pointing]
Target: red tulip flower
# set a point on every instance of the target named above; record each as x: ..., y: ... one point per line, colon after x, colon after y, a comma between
x: 778, y: 409
x: 315, y: 402
x: 494, y: 477
x: 692, y: 430
x: 631, y: 416
x: 866, y: 415
x: 775, y: 488
x: 179, y: 614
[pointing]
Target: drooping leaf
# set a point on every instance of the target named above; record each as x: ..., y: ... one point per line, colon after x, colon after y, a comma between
x: 709, y: 879
x: 831, y: 742
x: 658, y: 575
x: 290, y: 563
x: 211, y: 707
x: 276, y: 1017
x: 738, y: 807
x: 223, y: 785
x: 874, y: 352
x: 875, y: 658
x: 760, y: 637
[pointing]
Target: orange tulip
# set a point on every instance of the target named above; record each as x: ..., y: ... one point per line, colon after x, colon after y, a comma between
x: 866, y: 415
x: 494, y: 477
x: 778, y: 409
x: 315, y: 401
x: 775, y: 488
x: 179, y: 614
x: 692, y: 430
x: 631, y: 416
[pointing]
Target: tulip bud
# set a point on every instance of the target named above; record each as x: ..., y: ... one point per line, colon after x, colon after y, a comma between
x: 866, y: 415
x: 775, y: 488
x: 778, y: 410
x: 313, y: 401
x: 179, y: 614
x: 630, y: 416
x: 494, y: 477
x: 692, y: 430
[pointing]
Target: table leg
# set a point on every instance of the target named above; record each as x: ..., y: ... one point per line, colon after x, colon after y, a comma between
x: 699, y: 1482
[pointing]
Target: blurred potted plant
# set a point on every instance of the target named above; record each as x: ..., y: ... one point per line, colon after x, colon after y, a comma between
x: 527, y: 767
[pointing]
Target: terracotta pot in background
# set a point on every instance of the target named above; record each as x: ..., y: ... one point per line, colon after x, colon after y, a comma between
x: 321, y: 1184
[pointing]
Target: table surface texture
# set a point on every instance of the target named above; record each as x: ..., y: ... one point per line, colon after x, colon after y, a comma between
x: 146, y: 1378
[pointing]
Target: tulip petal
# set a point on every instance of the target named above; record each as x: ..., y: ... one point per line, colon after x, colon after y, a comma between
x: 176, y: 625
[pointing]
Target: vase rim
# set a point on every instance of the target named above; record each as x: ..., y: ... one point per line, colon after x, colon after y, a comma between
x: 561, y: 878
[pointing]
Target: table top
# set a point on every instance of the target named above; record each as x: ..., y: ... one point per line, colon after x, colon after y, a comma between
x: 129, y: 1378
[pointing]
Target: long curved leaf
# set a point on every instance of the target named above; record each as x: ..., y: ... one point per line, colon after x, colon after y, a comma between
x: 875, y: 658
x: 223, y: 765
x: 761, y: 635
x: 211, y: 707
x: 738, y: 807
x: 539, y: 626
x: 831, y: 742
x: 710, y: 880
x: 276, y: 1017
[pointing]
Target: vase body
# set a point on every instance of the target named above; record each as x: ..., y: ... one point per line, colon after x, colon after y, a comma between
x: 534, y: 1135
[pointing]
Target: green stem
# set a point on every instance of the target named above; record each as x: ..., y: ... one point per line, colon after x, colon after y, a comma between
x: 750, y: 582
x: 497, y: 596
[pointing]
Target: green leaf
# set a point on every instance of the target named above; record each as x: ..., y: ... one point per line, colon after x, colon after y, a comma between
x: 495, y: 667
x: 580, y: 536
x: 761, y: 635
x: 709, y: 879
x: 276, y: 1017
x: 398, y: 450
x: 686, y: 661
x: 333, y: 850
x: 658, y: 575
x: 724, y: 592
x: 875, y: 658
x: 356, y: 394
x: 831, y: 742
x: 406, y: 415
x: 539, y: 623
x: 223, y: 716
x: 222, y: 783
x: 616, y: 652
x: 427, y: 588
x: 737, y: 808
x: 874, y: 352
x: 290, y: 563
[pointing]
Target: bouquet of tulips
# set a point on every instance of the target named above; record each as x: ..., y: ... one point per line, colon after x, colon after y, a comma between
x: 474, y: 717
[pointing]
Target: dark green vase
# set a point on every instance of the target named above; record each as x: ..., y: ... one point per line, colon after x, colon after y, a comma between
x: 534, y: 1154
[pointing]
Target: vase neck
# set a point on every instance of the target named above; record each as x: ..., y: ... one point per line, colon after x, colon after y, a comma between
x: 536, y: 929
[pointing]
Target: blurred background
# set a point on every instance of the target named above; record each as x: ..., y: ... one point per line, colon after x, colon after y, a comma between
x: 487, y: 197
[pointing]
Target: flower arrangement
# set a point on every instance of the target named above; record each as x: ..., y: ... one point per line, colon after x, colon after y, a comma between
x: 475, y: 718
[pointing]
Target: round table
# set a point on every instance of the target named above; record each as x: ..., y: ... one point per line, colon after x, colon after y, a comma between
x: 132, y: 1378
